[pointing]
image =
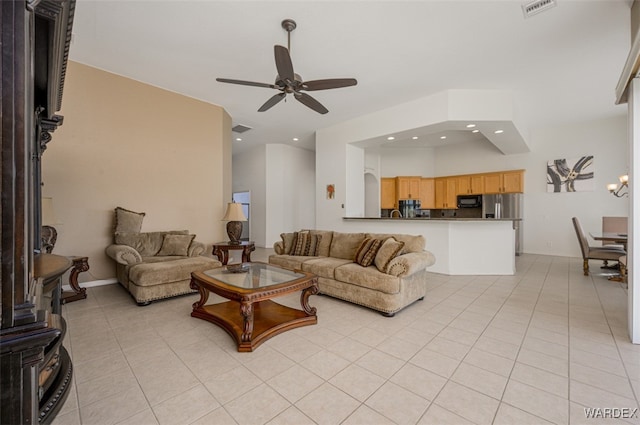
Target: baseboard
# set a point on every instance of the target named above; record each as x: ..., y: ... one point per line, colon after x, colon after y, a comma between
x: 92, y: 284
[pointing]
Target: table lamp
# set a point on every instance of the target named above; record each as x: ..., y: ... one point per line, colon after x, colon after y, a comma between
x: 235, y: 217
x: 48, y: 233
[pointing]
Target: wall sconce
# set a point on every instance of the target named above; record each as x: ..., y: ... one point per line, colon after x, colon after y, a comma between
x: 615, y: 189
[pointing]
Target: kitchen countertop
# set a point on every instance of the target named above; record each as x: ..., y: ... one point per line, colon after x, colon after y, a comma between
x: 431, y: 219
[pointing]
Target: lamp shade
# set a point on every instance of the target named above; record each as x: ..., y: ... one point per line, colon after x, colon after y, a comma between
x: 234, y: 212
x: 48, y: 215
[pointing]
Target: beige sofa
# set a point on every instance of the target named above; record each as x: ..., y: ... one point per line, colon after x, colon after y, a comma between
x: 330, y: 256
x: 155, y: 265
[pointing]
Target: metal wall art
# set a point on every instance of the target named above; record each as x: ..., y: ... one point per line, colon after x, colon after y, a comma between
x: 570, y: 175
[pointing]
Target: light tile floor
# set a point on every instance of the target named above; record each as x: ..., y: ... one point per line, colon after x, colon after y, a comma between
x: 535, y: 348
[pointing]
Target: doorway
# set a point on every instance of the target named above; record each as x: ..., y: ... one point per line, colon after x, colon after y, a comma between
x: 244, y: 198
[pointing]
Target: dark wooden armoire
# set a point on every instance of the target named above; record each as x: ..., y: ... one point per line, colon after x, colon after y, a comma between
x: 35, y: 369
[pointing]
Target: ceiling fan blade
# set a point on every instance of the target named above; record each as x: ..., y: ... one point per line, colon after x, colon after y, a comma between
x: 247, y: 83
x: 332, y: 83
x: 283, y: 63
x: 309, y: 101
x: 272, y: 101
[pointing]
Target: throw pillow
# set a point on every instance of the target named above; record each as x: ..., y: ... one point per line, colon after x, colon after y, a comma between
x: 366, y: 254
x: 287, y: 242
x: 314, y: 246
x: 147, y: 244
x: 387, y: 252
x: 301, y: 242
x: 128, y: 221
x: 176, y: 245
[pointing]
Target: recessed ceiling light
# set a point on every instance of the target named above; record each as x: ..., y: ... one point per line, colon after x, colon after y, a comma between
x: 470, y: 125
x: 238, y: 139
x: 295, y: 139
x: 499, y: 131
x: 443, y: 137
x: 475, y: 131
x: 391, y: 138
x: 415, y: 137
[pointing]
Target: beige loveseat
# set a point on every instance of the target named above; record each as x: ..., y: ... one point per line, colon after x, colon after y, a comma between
x: 155, y: 265
x: 396, y: 277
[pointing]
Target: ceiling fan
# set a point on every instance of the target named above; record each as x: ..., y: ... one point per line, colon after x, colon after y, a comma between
x: 289, y: 82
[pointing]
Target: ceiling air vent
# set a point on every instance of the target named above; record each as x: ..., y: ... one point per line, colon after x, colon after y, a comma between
x: 240, y: 128
x: 534, y: 7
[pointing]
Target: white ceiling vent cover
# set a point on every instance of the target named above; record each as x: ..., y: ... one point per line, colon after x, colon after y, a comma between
x: 534, y: 7
x: 240, y: 128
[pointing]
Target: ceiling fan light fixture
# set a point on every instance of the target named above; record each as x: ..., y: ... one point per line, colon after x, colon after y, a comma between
x: 288, y: 82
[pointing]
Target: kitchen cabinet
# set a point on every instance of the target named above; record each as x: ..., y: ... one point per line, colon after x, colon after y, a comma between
x: 427, y: 193
x: 388, y: 193
x: 446, y: 193
x: 504, y: 182
x: 471, y: 184
x: 408, y: 187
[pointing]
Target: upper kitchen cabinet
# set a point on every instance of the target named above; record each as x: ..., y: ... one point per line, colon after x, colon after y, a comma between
x: 427, y: 193
x: 446, y: 193
x: 504, y: 182
x: 408, y: 187
x: 471, y: 184
x: 388, y: 193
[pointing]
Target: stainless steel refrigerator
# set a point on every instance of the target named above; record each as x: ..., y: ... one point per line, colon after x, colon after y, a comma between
x: 506, y: 205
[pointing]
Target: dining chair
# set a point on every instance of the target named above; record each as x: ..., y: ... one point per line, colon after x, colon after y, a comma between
x: 594, y: 252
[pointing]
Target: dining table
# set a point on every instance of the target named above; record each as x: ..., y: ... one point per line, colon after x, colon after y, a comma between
x: 616, y: 238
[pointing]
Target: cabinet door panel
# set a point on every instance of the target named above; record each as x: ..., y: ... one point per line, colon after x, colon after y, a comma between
x: 427, y: 194
x: 513, y: 182
x: 388, y: 193
x: 493, y: 183
x: 476, y: 185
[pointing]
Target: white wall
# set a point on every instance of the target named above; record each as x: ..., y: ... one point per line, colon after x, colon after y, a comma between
x: 281, y: 180
x: 398, y: 162
x: 249, y: 174
x: 290, y: 190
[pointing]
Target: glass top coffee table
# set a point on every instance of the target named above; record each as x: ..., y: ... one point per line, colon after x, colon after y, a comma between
x: 250, y: 316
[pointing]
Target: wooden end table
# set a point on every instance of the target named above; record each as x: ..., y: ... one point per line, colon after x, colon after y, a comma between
x: 250, y: 316
x: 80, y: 264
x: 221, y: 250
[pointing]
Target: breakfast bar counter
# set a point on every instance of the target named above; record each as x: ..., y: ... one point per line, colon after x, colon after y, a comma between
x: 462, y: 246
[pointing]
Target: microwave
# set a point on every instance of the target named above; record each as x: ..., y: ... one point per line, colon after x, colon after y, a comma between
x: 469, y: 201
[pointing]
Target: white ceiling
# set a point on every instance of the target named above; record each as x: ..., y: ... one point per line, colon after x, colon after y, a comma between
x: 562, y: 65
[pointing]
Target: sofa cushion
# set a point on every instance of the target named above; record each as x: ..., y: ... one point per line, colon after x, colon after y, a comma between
x: 324, y: 266
x: 368, y: 277
x: 291, y: 262
x: 128, y: 221
x: 157, y: 273
x: 176, y: 244
x: 366, y: 253
x: 345, y: 245
x: 148, y: 243
x: 412, y: 243
x: 387, y: 252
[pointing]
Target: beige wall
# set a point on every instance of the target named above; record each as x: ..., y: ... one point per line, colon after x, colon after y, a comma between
x: 128, y: 144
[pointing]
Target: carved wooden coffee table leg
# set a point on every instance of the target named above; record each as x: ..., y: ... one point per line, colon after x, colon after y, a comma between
x: 246, y: 308
x: 204, y: 294
x: 304, y: 299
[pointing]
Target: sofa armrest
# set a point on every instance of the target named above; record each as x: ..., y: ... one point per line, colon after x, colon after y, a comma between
x: 123, y: 254
x: 196, y: 248
x: 278, y: 247
x: 408, y: 264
